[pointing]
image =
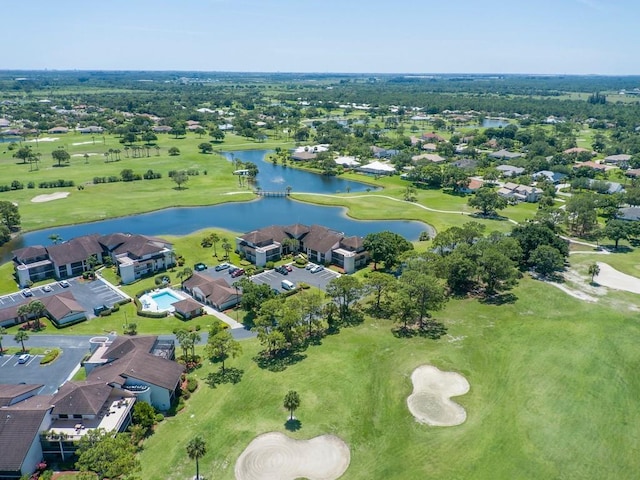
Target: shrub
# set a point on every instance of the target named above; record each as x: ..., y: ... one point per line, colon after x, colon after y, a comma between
x: 50, y: 357
x: 105, y: 313
x: 269, y: 265
x: 198, y: 327
x: 115, y: 308
x: 159, y: 417
x: 31, y: 185
x: 192, y: 384
x: 185, y: 396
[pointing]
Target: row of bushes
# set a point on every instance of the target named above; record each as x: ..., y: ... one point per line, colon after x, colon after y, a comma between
x: 191, y: 172
x: 15, y: 185
x: 57, y: 184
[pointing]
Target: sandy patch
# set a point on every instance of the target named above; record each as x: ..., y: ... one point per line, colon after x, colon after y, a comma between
x: 430, y: 401
x: 43, y: 139
x: 612, y: 278
x: 274, y: 456
x: 83, y: 143
x: 83, y: 154
x: 49, y: 197
x: 574, y: 293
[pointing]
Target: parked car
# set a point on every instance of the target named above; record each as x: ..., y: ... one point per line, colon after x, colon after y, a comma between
x: 238, y: 272
x: 287, y: 285
x: 27, y: 292
x: 63, y: 283
x: 199, y: 267
x: 222, y: 266
x: 281, y: 270
x: 288, y: 267
x: 316, y: 269
x: 275, y: 291
x: 47, y: 288
x: 24, y: 358
x: 233, y: 269
x: 309, y: 266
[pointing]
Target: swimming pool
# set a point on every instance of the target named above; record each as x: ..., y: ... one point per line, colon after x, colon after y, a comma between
x: 163, y: 299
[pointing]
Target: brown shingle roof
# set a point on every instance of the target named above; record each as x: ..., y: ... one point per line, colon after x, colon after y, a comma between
x: 321, y: 239
x: 81, y: 398
x: 296, y: 230
x: 122, y: 346
x: 29, y: 252
x: 75, y: 250
x: 216, y: 290
x: 61, y: 305
x: 18, y: 430
x: 186, y: 305
x: 8, y: 393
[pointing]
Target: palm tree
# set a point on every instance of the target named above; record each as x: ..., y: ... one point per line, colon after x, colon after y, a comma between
x: 194, y: 338
x: 226, y: 246
x: 37, y: 309
x: 23, y: 312
x: 291, y: 402
x: 2, y: 332
x: 86, y: 158
x: 55, y: 238
x: 215, y: 238
x: 594, y: 271
x: 21, y: 337
x: 60, y: 437
x: 196, y: 448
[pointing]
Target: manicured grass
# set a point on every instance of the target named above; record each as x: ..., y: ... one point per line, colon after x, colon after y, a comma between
x: 553, y: 395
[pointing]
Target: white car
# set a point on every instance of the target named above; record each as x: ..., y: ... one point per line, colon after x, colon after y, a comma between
x: 63, y: 283
x: 47, y: 288
x: 310, y: 266
x: 316, y: 269
x: 27, y: 292
x: 24, y: 358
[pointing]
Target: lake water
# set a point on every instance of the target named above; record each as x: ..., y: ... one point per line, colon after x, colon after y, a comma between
x: 495, y: 122
x: 239, y: 216
x: 278, y: 177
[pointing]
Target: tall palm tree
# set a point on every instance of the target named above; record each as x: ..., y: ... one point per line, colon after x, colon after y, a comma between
x: 37, y: 309
x: 291, y: 402
x: 23, y: 312
x: 196, y: 448
x: 215, y: 238
x: 21, y: 337
x: 226, y: 246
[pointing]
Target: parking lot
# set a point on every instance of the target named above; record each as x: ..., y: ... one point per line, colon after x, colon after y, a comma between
x: 31, y: 372
x: 297, y: 275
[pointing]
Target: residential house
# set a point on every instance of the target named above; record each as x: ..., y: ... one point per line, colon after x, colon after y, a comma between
x: 633, y: 172
x: 432, y: 137
x: 61, y: 309
x: 475, y: 184
x: 505, y: 155
x: 465, y: 163
x: 592, y: 165
x: 188, y: 308
x: 214, y: 292
x: 620, y: 159
x: 138, y: 255
x: 520, y: 193
x: 430, y: 147
x: 377, y: 168
x: 90, y: 129
x: 143, y: 366
x: 431, y: 157
x: 553, y: 177
x: 577, y: 151
x: 631, y: 214
x: 347, y: 162
x: 379, y: 152
x: 612, y: 187
x: 510, y: 170
x: 58, y: 130
x: 303, y: 156
x: 350, y: 254
x: 162, y: 128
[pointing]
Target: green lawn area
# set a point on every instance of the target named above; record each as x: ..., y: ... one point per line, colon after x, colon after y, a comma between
x: 553, y: 395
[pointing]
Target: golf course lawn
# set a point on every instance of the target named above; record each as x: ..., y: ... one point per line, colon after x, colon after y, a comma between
x: 553, y: 395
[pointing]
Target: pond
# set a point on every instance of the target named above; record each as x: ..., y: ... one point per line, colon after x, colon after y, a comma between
x: 278, y: 177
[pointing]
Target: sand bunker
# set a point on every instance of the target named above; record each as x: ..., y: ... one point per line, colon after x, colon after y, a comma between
x: 274, y: 456
x: 430, y: 401
x: 49, y: 197
x: 83, y: 143
x: 612, y: 278
x: 83, y: 154
x: 44, y: 139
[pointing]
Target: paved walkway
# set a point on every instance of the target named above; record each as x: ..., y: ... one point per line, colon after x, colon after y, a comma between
x: 224, y: 317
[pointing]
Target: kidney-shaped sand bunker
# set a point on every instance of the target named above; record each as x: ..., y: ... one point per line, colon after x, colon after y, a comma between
x: 431, y: 402
x: 274, y: 456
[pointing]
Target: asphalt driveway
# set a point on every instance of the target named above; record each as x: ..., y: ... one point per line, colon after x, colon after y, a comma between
x: 297, y: 275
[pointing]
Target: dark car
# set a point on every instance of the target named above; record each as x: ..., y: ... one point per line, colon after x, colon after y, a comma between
x: 199, y: 267
x: 289, y: 268
x: 282, y: 270
x: 233, y: 269
x: 238, y: 272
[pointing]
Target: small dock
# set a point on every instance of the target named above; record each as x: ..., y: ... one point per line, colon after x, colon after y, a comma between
x: 277, y: 193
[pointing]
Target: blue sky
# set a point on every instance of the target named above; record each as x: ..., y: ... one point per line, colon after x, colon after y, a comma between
x: 421, y: 36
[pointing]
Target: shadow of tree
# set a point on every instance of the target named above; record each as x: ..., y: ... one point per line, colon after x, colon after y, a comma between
x: 277, y: 362
x: 228, y: 375
x: 499, y: 299
x: 293, y: 425
x: 429, y: 329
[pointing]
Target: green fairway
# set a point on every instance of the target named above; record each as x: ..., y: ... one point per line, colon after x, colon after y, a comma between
x: 553, y: 394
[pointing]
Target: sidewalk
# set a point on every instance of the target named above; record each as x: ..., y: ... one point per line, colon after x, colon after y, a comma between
x: 225, y: 318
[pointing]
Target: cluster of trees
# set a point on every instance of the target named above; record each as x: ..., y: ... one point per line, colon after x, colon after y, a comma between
x: 9, y: 220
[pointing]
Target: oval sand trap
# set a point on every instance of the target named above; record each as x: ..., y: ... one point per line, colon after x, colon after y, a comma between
x: 49, y: 197
x: 431, y: 402
x: 274, y: 456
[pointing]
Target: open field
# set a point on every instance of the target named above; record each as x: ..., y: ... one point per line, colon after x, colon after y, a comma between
x: 553, y: 393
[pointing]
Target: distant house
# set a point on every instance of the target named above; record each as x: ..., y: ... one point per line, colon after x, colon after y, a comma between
x: 4, y: 123
x: 631, y: 214
x: 347, y: 162
x: 592, y: 165
x: 612, y: 187
x: 379, y: 152
x: 577, y: 151
x: 188, y: 308
x: 214, y: 292
x: 633, y: 172
x: 430, y: 147
x: 475, y: 184
x: 303, y: 156
x: 63, y: 309
x: 58, y: 130
x: 432, y: 157
x: 377, y: 168
x: 621, y: 159
x: 90, y: 129
x: 162, y: 128
x: 465, y: 163
x: 510, y: 170
x: 520, y: 193
x: 505, y: 155
x: 432, y: 137
x: 553, y: 177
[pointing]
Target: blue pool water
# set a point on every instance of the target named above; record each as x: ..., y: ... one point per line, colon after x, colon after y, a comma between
x: 164, y: 299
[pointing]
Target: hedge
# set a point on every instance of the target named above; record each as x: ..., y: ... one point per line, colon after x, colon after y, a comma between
x: 50, y: 357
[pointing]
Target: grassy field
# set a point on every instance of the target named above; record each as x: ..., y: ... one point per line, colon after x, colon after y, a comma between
x: 553, y: 394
